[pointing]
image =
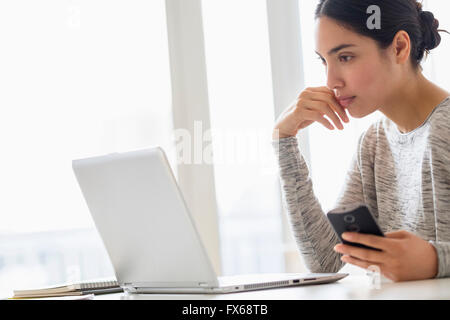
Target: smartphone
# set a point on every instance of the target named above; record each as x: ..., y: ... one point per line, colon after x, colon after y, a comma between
x: 354, y: 218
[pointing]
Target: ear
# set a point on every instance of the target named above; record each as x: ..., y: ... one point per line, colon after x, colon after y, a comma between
x: 401, y: 46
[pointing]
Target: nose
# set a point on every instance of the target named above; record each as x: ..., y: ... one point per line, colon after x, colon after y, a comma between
x: 334, y: 81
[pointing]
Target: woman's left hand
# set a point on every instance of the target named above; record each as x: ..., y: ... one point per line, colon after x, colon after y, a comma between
x: 404, y: 256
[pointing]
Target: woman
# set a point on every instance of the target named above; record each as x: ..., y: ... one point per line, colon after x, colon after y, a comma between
x: 401, y: 169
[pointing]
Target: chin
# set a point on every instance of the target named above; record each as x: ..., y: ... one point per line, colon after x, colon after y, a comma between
x: 359, y: 113
x: 356, y: 114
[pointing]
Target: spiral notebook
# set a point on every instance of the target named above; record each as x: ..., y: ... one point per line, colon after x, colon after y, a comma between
x: 73, y: 289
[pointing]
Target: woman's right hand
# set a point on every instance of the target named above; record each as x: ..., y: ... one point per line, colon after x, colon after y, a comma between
x: 311, y: 105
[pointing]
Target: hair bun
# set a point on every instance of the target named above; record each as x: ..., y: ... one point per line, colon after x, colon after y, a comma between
x: 419, y: 7
x: 430, y: 25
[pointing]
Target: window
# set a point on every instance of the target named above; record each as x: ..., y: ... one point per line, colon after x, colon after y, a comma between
x: 241, y: 105
x: 79, y: 78
x: 438, y: 58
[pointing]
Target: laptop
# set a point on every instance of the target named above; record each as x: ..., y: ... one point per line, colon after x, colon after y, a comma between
x: 149, y: 233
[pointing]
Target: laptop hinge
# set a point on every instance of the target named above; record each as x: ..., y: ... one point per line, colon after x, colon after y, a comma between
x: 128, y: 287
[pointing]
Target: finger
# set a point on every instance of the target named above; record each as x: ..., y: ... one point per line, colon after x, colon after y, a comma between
x: 322, y: 108
x: 332, y: 101
x: 370, y: 240
x: 396, y: 234
x: 321, y: 89
x: 325, y: 109
x: 338, y: 109
x: 316, y: 116
x: 361, y: 263
x: 373, y: 267
x: 361, y: 253
x: 334, y: 105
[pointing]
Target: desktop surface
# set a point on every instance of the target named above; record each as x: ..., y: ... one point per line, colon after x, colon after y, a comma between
x: 353, y: 287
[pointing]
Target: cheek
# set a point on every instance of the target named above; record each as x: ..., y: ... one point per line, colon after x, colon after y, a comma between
x: 369, y: 83
x: 369, y: 87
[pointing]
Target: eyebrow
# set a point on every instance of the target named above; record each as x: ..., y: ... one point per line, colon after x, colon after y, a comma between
x: 339, y: 47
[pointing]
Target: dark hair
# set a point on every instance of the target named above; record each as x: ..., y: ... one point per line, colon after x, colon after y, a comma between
x: 396, y: 15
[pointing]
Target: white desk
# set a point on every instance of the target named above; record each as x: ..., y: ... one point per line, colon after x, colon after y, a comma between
x: 353, y: 287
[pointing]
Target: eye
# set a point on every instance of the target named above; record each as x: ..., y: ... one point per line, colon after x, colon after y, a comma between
x: 340, y: 58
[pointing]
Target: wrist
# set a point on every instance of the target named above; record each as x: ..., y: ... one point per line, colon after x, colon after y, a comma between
x: 276, y: 135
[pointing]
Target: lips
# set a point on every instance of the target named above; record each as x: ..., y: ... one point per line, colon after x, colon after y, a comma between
x: 346, y: 101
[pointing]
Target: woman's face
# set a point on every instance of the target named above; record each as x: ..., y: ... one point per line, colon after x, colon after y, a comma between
x: 358, y: 70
